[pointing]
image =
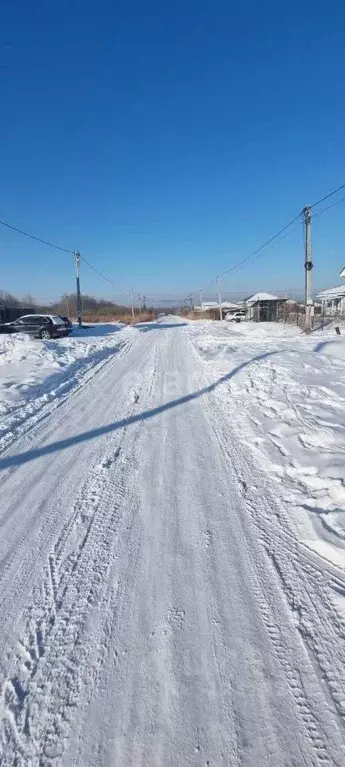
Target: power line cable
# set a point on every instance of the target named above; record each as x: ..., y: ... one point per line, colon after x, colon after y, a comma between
x: 64, y: 250
x: 275, y: 237
x: 328, y: 195
x: 111, y: 282
x: 258, y: 250
x: 32, y: 237
x: 255, y: 254
x: 273, y: 244
x: 332, y: 205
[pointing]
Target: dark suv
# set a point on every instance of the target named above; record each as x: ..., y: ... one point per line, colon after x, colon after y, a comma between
x: 40, y: 325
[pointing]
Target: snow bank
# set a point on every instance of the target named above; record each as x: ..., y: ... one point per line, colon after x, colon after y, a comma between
x: 34, y: 372
x: 286, y: 397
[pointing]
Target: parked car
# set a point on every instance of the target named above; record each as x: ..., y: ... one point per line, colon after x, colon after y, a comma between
x: 39, y: 325
x: 68, y: 323
x: 236, y: 316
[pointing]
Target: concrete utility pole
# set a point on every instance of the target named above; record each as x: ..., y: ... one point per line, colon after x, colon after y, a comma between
x: 308, y: 267
x: 77, y: 276
x: 219, y: 299
x: 132, y: 302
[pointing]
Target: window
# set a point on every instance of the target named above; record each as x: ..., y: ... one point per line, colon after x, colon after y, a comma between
x: 36, y: 320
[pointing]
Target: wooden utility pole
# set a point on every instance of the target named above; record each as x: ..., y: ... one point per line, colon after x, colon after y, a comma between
x: 77, y: 276
x: 308, y: 267
x: 219, y: 299
x: 132, y: 302
x: 200, y: 299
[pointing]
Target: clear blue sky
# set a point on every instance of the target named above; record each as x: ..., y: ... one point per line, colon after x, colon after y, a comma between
x: 167, y: 140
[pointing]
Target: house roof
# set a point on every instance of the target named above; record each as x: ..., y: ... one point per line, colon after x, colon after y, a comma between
x: 342, y: 272
x: 337, y: 292
x: 261, y: 297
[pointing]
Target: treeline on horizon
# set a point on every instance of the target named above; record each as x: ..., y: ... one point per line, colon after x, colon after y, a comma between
x: 67, y: 305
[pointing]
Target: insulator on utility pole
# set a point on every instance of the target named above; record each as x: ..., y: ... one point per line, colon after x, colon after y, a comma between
x: 219, y: 299
x: 77, y: 276
x: 308, y: 265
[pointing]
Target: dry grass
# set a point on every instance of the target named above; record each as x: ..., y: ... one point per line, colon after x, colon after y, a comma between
x: 125, y: 319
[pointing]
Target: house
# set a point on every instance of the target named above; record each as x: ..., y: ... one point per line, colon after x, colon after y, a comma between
x: 333, y: 300
x: 263, y: 307
x: 213, y: 306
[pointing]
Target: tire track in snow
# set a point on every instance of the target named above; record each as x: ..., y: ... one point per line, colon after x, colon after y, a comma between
x: 19, y: 548
x: 310, y: 624
x: 300, y: 582
x: 52, y: 660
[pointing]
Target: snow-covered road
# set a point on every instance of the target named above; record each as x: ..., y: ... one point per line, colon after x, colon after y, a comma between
x: 157, y: 606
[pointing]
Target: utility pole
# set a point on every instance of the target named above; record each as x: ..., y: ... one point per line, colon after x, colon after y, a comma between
x: 77, y: 276
x: 308, y: 267
x: 132, y: 302
x: 191, y: 301
x: 200, y: 299
x: 219, y: 299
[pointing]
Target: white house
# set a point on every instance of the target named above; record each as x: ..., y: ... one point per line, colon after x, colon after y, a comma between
x: 333, y: 300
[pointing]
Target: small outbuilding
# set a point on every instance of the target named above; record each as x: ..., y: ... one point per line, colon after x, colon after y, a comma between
x: 264, y: 307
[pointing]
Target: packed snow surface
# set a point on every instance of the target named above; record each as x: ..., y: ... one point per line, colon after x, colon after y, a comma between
x: 172, y: 549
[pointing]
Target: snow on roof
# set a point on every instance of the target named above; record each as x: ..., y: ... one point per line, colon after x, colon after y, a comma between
x: 261, y: 297
x: 215, y: 305
x: 337, y: 292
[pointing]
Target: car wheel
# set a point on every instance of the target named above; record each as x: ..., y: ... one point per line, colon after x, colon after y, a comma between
x: 45, y: 333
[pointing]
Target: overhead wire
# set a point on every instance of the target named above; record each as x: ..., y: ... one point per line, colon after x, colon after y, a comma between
x: 326, y: 197
x: 100, y: 274
x: 252, y: 256
x: 272, y: 240
x: 33, y: 237
x: 271, y: 245
x: 64, y: 250
x: 332, y: 205
x: 258, y: 250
